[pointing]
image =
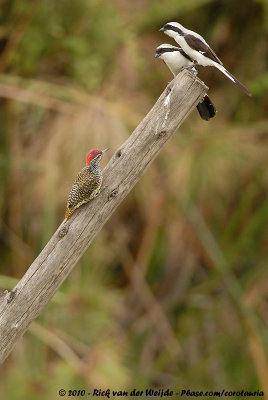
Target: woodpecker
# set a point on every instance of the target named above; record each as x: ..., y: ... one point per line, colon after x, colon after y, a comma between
x: 87, y: 183
x: 176, y: 60
x: 198, y: 50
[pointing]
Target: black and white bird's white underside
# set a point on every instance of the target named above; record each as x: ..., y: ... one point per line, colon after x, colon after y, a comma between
x: 177, y: 60
x: 198, y: 50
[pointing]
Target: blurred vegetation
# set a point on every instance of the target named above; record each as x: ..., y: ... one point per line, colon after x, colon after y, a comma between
x: 173, y: 291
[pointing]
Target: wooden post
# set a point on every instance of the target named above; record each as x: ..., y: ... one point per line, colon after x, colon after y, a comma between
x: 24, y: 303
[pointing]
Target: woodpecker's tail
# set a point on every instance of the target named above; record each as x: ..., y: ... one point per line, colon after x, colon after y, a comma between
x: 206, y: 108
x: 230, y: 76
x: 68, y: 213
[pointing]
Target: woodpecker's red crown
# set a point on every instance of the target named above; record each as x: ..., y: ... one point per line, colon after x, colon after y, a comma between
x: 93, y: 154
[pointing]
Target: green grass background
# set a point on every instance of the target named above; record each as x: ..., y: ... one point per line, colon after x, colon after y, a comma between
x: 173, y: 291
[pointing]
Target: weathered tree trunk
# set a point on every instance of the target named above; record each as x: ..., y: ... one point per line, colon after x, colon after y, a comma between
x: 21, y: 306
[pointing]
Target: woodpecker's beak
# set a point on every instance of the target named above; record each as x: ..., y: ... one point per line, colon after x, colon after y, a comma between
x: 157, y: 55
x: 104, y: 151
x: 162, y: 29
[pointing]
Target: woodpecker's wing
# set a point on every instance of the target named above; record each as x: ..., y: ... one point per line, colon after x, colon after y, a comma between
x: 200, y: 46
x: 84, y: 188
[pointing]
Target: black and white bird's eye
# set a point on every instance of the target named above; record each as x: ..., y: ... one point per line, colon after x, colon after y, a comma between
x: 174, y: 28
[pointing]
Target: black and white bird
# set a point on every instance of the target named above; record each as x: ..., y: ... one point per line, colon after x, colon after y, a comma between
x: 198, y: 50
x: 176, y: 60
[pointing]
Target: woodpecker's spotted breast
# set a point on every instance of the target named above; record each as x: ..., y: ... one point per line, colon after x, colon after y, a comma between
x: 87, y: 183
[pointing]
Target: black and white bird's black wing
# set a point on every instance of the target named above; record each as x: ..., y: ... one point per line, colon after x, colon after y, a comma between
x: 202, y: 47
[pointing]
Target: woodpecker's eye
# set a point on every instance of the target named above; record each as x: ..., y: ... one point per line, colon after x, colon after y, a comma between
x: 94, y: 153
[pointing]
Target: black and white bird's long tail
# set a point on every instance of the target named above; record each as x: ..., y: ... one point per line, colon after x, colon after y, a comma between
x: 206, y: 108
x: 233, y: 78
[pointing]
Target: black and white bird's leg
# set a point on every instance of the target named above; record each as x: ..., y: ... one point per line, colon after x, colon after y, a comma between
x: 191, y: 67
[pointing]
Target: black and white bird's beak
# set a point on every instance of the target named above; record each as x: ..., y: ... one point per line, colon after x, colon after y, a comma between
x: 162, y: 29
x: 157, y: 55
x: 104, y: 151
